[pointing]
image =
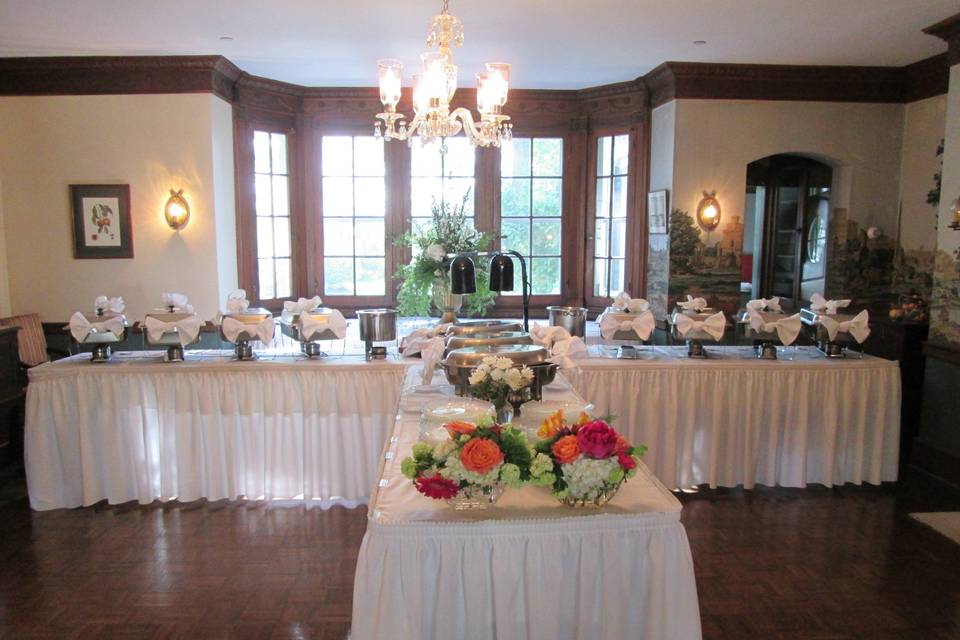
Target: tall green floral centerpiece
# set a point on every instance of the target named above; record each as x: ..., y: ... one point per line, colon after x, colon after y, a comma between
x: 425, y: 282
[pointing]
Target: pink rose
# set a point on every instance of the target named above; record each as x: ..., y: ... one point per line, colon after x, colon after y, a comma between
x: 626, y: 461
x: 597, y: 439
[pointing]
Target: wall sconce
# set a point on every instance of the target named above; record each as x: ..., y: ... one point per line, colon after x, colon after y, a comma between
x: 955, y: 225
x: 708, y: 211
x: 177, y: 210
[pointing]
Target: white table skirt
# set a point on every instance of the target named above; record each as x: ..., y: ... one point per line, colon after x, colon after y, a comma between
x: 526, y: 568
x: 733, y: 419
x: 139, y: 429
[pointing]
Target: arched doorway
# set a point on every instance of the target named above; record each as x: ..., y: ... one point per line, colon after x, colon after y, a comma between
x: 787, y: 216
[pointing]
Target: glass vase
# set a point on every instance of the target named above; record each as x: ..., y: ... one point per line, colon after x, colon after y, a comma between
x: 475, y: 496
x: 445, y: 303
x: 603, y: 498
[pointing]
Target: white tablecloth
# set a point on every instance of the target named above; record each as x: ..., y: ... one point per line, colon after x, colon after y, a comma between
x: 732, y: 419
x: 525, y: 568
x: 139, y: 429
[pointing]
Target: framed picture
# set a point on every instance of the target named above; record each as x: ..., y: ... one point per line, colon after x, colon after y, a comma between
x: 657, y: 211
x: 101, y: 221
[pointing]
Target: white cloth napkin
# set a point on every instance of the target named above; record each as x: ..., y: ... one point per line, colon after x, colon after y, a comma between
x: 764, y: 304
x: 821, y: 305
x: 233, y: 329
x: 634, y: 305
x: 642, y: 325
x: 113, y: 304
x: 187, y: 329
x: 547, y: 335
x: 409, y: 343
x: 432, y: 352
x: 311, y: 326
x: 178, y: 301
x: 237, y: 301
x: 565, y: 351
x: 80, y: 327
x: 787, y: 328
x: 858, y: 326
x: 693, y: 304
x: 715, y: 325
x: 302, y: 305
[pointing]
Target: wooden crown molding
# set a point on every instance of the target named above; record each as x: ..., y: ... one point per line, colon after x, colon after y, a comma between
x: 948, y: 30
x: 926, y: 78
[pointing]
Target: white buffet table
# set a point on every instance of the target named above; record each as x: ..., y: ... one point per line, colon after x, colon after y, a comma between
x: 732, y: 419
x: 524, y: 568
x: 136, y: 428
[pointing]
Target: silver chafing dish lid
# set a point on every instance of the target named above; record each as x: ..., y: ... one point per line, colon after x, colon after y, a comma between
x: 708, y: 311
x: 253, y: 315
x: 488, y: 339
x: 520, y: 354
x: 467, y: 327
x: 293, y: 317
x: 810, y: 317
x: 168, y: 316
x: 93, y: 317
x: 768, y: 316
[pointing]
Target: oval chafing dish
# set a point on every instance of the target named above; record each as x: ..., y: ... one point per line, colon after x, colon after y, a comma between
x: 468, y: 327
x: 291, y: 327
x: 460, y: 363
x: 622, y: 314
x: 753, y: 334
x: 487, y: 340
x: 100, y: 338
x: 252, y: 316
x: 830, y: 348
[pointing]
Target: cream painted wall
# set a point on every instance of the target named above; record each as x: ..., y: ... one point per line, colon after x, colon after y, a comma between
x: 4, y: 274
x: 663, y: 123
x: 923, y: 127
x: 716, y: 139
x: 151, y: 142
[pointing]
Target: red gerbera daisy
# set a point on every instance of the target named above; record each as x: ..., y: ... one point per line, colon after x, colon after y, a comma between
x: 437, y: 487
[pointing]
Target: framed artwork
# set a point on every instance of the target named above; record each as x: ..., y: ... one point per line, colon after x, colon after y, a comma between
x: 101, y: 221
x: 657, y: 211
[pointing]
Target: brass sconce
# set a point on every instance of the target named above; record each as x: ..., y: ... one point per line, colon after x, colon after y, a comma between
x: 177, y: 210
x: 708, y: 211
x: 955, y: 225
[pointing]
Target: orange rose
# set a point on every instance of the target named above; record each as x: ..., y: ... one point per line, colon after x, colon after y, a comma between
x: 456, y: 429
x: 480, y: 455
x: 551, y: 426
x: 622, y: 445
x: 566, y: 449
x: 583, y: 419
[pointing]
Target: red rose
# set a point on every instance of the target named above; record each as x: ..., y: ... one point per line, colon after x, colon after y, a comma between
x: 597, y: 439
x: 437, y: 487
x: 626, y: 461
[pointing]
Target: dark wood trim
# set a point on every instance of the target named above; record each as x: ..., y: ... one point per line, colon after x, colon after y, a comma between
x: 934, y: 461
x: 927, y: 78
x: 948, y: 30
x: 942, y: 351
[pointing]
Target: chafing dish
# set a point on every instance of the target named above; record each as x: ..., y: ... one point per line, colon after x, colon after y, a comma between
x: 694, y: 337
x: 830, y: 348
x: 573, y: 319
x: 765, y: 341
x: 460, y: 363
x: 99, y: 336
x: 251, y: 317
x: 291, y: 326
x: 377, y: 325
x: 170, y: 339
x: 487, y: 340
x: 467, y: 327
x: 623, y: 315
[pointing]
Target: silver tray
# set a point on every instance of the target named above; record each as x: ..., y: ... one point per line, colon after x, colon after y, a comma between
x: 467, y: 327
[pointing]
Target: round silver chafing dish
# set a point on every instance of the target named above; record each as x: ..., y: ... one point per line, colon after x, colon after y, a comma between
x: 377, y: 325
x: 291, y: 327
x: 467, y: 327
x: 573, y: 319
x: 460, y: 363
x: 487, y: 340
x: 102, y: 339
x: 251, y: 316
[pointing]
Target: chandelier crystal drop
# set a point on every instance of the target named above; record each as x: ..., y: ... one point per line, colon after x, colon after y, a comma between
x: 433, y: 90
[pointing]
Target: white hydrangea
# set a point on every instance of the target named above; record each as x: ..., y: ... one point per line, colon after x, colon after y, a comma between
x: 454, y: 470
x: 586, y: 477
x: 436, y: 252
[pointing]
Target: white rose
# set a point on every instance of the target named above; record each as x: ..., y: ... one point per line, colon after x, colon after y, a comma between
x: 504, y: 363
x: 515, y: 379
x: 497, y: 375
x: 477, y: 377
x: 489, y: 361
x: 436, y: 252
x: 527, y: 373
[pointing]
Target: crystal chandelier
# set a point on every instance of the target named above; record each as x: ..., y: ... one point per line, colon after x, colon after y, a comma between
x: 433, y: 90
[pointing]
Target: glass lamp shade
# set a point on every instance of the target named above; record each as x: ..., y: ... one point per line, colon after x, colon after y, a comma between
x: 484, y: 104
x: 501, y: 273
x: 439, y: 76
x: 498, y: 82
x: 390, y: 73
x: 421, y: 101
x: 177, y: 210
x: 708, y: 212
x: 955, y: 224
x: 463, y: 276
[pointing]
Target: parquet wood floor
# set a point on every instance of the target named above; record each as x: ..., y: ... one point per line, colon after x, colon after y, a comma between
x: 776, y: 564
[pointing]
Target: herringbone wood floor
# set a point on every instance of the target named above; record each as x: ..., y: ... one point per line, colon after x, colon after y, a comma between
x: 772, y: 564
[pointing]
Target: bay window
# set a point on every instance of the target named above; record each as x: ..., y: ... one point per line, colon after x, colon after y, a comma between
x: 272, y: 207
x: 610, y: 215
x: 437, y: 177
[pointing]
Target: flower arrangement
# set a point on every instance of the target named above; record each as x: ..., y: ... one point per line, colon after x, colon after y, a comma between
x: 589, y: 459
x: 472, y: 468
x: 425, y: 279
x: 496, y: 378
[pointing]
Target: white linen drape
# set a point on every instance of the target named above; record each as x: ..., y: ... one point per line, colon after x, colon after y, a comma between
x: 136, y: 430
x: 731, y: 421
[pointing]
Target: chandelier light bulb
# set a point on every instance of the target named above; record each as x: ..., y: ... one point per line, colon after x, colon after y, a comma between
x: 390, y: 72
x: 499, y: 81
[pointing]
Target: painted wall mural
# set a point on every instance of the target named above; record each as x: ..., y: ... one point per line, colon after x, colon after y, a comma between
x: 705, y: 264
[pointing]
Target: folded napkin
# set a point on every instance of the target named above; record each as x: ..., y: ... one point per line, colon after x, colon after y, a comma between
x: 821, y: 305
x: 693, y: 304
x: 234, y: 329
x: 634, y: 305
x: 787, y: 328
x: 113, y: 305
x: 547, y: 335
x: 432, y: 352
x: 237, y: 301
x: 642, y: 325
x: 187, y: 329
x: 408, y: 345
x: 563, y: 352
x: 302, y: 305
x: 80, y: 327
x: 858, y: 326
x: 764, y: 304
x: 311, y: 326
x: 178, y: 301
x: 715, y: 325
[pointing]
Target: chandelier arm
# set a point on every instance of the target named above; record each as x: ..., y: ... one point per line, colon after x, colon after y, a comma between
x: 469, y: 126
